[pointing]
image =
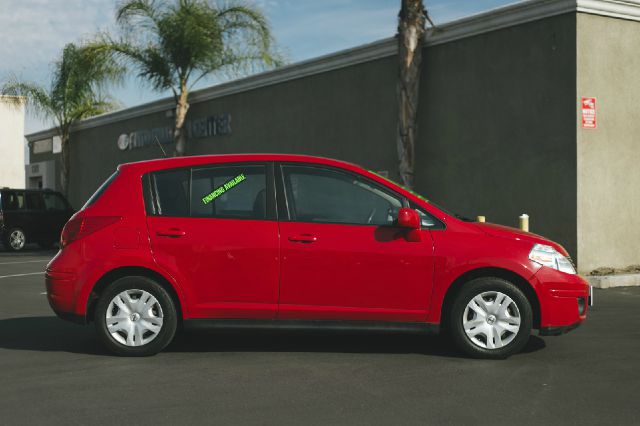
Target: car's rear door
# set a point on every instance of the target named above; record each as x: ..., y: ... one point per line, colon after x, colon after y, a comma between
x: 342, y: 257
x: 214, y: 228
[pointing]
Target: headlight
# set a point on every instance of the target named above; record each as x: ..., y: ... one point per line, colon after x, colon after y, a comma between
x: 548, y: 256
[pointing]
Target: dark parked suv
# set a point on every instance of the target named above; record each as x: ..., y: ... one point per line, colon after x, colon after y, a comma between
x: 32, y: 216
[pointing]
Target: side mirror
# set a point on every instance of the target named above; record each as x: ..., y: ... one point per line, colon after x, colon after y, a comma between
x: 408, y: 218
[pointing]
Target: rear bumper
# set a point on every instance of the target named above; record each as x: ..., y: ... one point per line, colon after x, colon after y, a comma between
x: 61, y: 294
x: 564, y: 300
x: 71, y: 317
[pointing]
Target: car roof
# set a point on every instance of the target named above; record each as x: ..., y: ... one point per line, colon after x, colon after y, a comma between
x: 170, y: 163
x: 47, y: 190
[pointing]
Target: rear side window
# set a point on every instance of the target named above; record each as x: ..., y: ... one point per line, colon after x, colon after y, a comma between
x: 232, y: 192
x: 13, y: 200
x: 100, y: 190
x: 172, y: 192
x: 35, y: 201
x: 54, y: 202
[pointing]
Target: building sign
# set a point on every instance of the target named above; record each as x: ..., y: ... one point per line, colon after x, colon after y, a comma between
x: 214, y: 125
x: 588, y: 113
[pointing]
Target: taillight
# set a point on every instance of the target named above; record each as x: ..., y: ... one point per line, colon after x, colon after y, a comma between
x: 81, y: 226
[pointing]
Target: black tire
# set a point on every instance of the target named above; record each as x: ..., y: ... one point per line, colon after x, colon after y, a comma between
x: 168, y: 309
x: 6, y: 241
x: 456, y: 316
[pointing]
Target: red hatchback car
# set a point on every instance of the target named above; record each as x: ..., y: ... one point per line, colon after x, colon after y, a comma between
x: 291, y: 241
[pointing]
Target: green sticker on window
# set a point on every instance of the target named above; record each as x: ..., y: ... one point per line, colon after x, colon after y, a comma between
x: 222, y: 189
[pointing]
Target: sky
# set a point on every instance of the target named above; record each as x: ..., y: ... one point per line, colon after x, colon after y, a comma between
x: 33, y: 33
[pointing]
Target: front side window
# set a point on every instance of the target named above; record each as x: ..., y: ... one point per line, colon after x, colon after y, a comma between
x: 230, y: 192
x: 427, y: 220
x: 332, y: 196
x: 13, y: 200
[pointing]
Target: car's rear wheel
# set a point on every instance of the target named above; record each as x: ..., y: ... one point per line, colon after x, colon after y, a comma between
x: 135, y: 316
x: 490, y: 318
x: 15, y: 239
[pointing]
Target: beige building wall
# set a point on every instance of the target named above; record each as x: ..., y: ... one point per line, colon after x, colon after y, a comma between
x: 11, y: 143
x: 608, y: 157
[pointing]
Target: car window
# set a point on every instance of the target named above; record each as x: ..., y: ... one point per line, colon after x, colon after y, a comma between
x: 232, y: 192
x: 54, y: 202
x: 35, y: 201
x: 172, y: 192
x: 330, y: 196
x: 427, y: 220
x: 100, y: 190
x: 13, y: 200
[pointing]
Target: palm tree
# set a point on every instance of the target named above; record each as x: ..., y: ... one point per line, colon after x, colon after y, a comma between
x: 175, y: 44
x: 411, y: 32
x: 74, y: 93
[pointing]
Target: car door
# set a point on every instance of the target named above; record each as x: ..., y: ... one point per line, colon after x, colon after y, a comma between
x: 58, y: 213
x: 37, y: 223
x: 342, y: 256
x: 214, y: 229
x: 13, y: 209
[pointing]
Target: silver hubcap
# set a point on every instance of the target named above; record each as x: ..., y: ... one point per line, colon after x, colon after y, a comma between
x: 17, y: 239
x: 491, y: 320
x: 134, y: 318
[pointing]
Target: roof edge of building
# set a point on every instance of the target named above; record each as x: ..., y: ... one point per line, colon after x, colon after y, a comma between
x: 491, y: 20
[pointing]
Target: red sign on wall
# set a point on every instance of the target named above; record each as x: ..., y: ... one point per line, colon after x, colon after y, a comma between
x: 588, y: 113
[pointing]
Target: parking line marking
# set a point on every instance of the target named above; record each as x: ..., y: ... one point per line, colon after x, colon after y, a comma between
x: 24, y: 261
x: 21, y: 275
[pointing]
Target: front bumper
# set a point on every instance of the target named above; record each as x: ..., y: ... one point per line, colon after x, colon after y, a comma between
x: 564, y: 300
x: 557, y: 331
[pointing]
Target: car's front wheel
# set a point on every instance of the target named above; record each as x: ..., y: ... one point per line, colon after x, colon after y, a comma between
x: 490, y: 318
x: 135, y: 316
x: 15, y: 239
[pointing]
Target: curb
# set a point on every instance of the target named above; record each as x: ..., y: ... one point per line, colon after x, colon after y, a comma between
x: 609, y: 281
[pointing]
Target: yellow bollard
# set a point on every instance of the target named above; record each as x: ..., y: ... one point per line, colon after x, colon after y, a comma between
x: 482, y: 219
x: 524, y: 222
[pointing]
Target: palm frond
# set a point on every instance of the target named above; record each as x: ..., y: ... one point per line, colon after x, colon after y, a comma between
x: 36, y: 97
x: 144, y: 12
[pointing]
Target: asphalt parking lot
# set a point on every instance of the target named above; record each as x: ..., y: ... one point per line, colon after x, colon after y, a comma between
x: 54, y: 372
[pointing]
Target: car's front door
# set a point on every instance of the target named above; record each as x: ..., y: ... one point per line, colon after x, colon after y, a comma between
x: 214, y: 229
x: 342, y: 256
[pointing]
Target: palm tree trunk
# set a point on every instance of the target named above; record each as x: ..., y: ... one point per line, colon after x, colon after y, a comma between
x: 66, y: 161
x: 182, y: 107
x: 411, y: 29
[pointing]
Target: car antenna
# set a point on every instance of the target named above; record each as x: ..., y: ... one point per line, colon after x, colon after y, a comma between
x: 160, y: 146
